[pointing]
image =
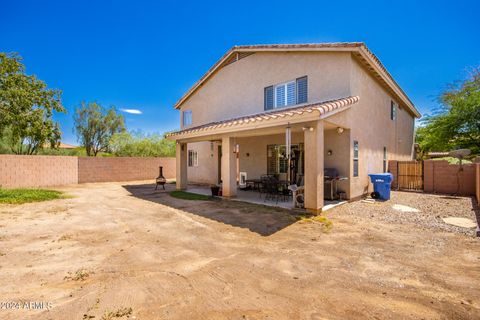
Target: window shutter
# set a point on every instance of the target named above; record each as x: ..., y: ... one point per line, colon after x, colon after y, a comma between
x: 291, y: 97
x: 302, y: 90
x: 268, y: 98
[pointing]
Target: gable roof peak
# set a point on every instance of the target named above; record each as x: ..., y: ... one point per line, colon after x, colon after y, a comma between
x: 359, y: 49
x: 313, y: 45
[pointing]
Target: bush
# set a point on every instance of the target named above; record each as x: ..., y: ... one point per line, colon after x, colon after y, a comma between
x: 79, y: 152
x: 137, y: 144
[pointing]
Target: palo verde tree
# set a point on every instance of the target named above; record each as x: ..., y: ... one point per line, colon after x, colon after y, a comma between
x: 26, y: 108
x: 95, y: 126
x: 457, y: 124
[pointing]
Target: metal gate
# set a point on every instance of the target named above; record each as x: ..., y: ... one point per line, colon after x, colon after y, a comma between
x: 410, y: 175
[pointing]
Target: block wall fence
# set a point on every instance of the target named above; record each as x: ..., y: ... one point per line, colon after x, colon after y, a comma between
x: 441, y: 177
x: 22, y: 171
x: 478, y: 182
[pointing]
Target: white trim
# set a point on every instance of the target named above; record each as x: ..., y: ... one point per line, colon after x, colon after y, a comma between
x: 285, y: 86
x: 242, y: 181
x: 184, y: 112
x: 194, y: 162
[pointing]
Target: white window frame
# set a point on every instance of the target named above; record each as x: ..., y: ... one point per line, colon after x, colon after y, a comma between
x: 184, y: 113
x: 285, y: 85
x: 193, y: 156
x: 355, y: 159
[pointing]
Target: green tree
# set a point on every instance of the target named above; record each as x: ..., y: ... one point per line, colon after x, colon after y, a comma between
x: 26, y: 108
x: 457, y: 124
x: 95, y: 126
x: 138, y: 144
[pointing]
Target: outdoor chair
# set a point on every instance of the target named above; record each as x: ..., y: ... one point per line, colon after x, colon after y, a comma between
x: 298, y: 195
x: 284, y: 192
x: 272, y: 190
x: 262, y: 188
x: 276, y: 190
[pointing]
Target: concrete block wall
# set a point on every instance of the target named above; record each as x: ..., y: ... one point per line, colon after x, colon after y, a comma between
x: 123, y: 168
x: 21, y: 171
x: 442, y: 177
x: 477, y: 182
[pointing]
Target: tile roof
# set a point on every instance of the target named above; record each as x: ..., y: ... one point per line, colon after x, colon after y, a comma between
x: 321, y: 107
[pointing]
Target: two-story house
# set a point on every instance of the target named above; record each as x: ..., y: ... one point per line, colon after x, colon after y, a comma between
x: 332, y: 105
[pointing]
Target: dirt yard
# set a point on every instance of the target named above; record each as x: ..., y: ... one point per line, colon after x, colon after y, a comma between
x: 116, y: 251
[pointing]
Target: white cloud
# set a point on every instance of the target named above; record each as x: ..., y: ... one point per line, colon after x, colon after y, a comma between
x: 132, y: 111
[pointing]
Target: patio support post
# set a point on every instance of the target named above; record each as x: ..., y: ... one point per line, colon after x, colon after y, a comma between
x: 181, y: 166
x: 229, y: 167
x: 314, y: 157
x: 288, y: 146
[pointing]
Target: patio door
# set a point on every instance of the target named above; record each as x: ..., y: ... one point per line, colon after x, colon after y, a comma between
x: 277, y: 162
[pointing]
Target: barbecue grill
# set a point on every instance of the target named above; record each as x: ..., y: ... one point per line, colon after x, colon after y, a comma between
x: 330, y: 183
x: 160, y: 179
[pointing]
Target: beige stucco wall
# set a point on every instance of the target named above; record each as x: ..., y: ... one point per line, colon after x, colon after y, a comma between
x: 255, y: 164
x: 370, y: 124
x: 238, y: 88
x: 339, y: 144
x: 206, y: 171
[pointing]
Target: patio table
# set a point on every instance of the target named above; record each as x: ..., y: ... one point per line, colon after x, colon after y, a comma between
x: 254, y: 183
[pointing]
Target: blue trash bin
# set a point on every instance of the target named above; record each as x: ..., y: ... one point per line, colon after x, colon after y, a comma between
x: 382, y: 183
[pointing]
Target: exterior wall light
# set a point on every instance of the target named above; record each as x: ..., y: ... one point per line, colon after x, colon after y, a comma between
x: 340, y: 130
x: 307, y: 128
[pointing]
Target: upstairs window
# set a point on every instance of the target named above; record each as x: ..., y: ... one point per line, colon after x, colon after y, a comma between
x: 187, y: 118
x: 393, y: 110
x: 286, y: 94
x: 302, y: 90
x: 192, y: 158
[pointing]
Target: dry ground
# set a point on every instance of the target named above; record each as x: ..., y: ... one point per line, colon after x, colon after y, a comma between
x: 112, y: 247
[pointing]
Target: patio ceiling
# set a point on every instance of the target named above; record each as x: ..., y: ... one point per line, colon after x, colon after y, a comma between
x: 297, y: 114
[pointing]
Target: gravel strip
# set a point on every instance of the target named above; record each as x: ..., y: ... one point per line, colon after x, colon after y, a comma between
x: 432, y: 209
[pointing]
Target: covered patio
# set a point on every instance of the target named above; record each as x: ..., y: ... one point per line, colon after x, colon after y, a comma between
x: 294, y: 145
x: 253, y: 197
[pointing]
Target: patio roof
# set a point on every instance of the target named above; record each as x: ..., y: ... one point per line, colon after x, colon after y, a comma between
x: 323, y: 108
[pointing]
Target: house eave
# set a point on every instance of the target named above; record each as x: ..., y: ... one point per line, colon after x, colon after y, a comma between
x: 297, y: 114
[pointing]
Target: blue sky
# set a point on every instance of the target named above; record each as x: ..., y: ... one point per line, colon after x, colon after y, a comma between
x: 144, y: 55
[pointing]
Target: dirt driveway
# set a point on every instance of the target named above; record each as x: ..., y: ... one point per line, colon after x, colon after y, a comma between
x: 112, y: 247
